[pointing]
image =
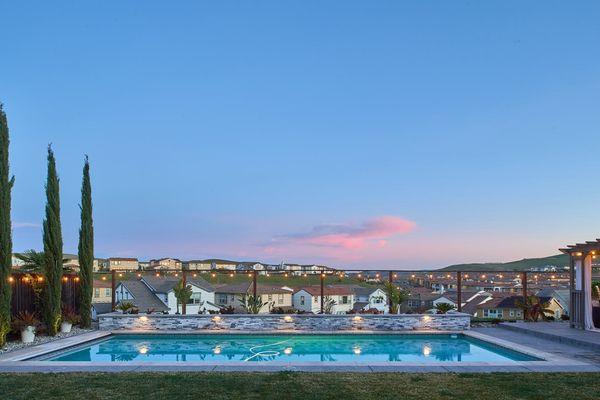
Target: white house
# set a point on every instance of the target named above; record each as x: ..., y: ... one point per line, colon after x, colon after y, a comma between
x: 309, y: 299
x: 366, y: 298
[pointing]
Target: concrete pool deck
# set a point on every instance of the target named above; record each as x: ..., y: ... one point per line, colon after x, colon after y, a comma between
x: 553, y: 361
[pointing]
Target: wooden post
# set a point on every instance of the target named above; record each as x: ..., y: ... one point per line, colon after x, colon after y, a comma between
x: 184, y: 281
x: 389, y: 300
x: 113, y: 286
x: 322, y: 292
x: 582, y: 296
x: 254, y: 276
x: 572, y: 291
x: 459, y: 290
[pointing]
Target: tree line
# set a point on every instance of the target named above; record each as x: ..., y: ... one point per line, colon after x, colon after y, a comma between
x: 52, y: 240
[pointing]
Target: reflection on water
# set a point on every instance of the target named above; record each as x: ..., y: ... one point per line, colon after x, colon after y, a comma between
x: 284, y: 348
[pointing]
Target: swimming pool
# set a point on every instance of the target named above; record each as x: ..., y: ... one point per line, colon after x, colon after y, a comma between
x: 355, y: 348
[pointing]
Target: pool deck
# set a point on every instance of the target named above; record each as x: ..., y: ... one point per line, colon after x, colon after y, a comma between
x: 554, y: 359
x: 557, y: 331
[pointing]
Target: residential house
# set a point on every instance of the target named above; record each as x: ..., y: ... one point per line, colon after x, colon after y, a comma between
x: 561, y: 295
x: 203, y: 293
x: 140, y: 294
x: 197, y: 265
x: 308, y: 298
x: 122, y: 264
x: 223, y: 264
x: 250, y: 266
x: 230, y: 295
x: 99, y: 264
x: 165, y: 264
x: 102, y: 292
x: 71, y: 262
x: 158, y: 293
x: 368, y: 298
x: 507, y: 307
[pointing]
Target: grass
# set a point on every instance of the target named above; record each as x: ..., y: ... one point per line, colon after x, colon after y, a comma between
x: 525, y: 264
x: 290, y: 386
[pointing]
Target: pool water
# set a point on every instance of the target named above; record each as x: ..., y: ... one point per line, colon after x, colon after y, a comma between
x: 291, y: 349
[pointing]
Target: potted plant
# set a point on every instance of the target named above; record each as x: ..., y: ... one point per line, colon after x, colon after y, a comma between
x: 26, y: 322
x: 69, y: 318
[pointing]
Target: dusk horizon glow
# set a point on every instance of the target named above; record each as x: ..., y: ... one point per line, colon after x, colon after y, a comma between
x: 387, y: 135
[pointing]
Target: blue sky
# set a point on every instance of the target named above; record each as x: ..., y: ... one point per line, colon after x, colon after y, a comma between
x: 376, y: 134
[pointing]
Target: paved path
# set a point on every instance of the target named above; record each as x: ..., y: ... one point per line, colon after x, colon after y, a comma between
x: 550, y: 346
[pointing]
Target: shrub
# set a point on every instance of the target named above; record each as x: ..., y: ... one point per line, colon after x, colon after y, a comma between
x: 125, y: 306
x: 69, y: 315
x: 227, y: 310
x: 25, y: 319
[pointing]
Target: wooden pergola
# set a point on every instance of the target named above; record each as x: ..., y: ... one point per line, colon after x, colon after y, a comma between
x: 580, y: 263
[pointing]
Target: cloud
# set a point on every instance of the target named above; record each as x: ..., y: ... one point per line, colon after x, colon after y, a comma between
x: 375, y: 231
x: 17, y: 225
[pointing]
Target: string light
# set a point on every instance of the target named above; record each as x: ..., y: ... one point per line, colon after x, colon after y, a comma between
x: 65, y: 279
x: 76, y: 279
x: 25, y: 279
x: 395, y: 275
x: 139, y: 275
x: 176, y: 274
x: 103, y: 278
x: 40, y: 279
x: 120, y: 275
x: 11, y: 279
x: 412, y: 276
x: 213, y: 275
x: 360, y: 275
x: 194, y: 275
x: 157, y: 274
x: 231, y: 275
x: 286, y: 275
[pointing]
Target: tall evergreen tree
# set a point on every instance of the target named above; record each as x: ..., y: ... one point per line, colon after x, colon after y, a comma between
x: 86, y: 248
x: 5, y: 231
x: 53, y: 247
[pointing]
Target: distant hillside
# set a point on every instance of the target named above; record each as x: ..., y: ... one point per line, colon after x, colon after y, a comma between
x: 525, y: 264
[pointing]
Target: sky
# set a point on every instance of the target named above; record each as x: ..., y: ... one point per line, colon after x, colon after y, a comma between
x: 353, y: 134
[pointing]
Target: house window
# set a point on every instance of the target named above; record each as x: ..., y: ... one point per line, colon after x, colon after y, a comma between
x: 222, y: 299
x: 270, y: 297
x: 280, y: 299
x: 96, y: 292
x: 107, y: 292
x: 301, y: 300
x: 195, y: 299
x: 344, y: 299
x: 316, y: 300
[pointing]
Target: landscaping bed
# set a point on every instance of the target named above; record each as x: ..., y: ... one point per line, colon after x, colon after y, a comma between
x: 16, y: 344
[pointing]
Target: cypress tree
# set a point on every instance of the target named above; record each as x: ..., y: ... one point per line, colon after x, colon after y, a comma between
x: 86, y: 248
x: 5, y: 231
x: 53, y: 246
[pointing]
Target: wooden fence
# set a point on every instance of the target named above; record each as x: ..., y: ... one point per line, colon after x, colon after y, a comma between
x: 25, y: 286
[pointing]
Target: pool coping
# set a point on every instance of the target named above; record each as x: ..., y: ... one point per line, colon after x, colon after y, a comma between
x: 17, y: 361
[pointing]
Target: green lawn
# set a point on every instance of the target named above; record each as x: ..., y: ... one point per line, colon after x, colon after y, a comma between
x: 290, y: 386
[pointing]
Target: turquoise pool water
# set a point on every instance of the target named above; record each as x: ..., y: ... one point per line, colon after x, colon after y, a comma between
x: 291, y: 348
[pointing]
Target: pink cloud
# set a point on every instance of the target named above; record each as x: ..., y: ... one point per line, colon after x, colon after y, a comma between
x: 375, y: 231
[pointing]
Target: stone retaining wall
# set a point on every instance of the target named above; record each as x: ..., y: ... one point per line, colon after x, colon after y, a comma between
x: 279, y: 322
